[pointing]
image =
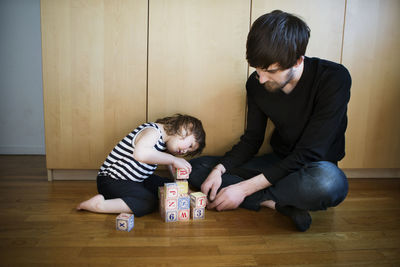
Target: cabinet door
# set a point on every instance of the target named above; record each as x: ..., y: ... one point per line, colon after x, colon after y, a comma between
x: 197, y: 65
x: 371, y: 52
x: 94, y: 77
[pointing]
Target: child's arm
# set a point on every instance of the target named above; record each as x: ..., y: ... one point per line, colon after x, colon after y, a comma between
x: 145, y: 152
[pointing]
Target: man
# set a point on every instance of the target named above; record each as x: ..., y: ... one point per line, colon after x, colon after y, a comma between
x: 306, y: 99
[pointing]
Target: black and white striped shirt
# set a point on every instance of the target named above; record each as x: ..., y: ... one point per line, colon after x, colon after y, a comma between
x: 120, y: 163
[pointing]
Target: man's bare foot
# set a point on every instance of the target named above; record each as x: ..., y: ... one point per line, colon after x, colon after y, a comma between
x: 94, y: 204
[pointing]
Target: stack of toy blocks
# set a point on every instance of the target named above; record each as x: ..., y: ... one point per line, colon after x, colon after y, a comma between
x: 198, y: 203
x: 175, y: 202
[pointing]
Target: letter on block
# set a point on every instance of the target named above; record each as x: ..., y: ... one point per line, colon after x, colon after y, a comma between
x: 197, y: 213
x: 183, y: 215
x: 125, y: 222
x: 198, y: 200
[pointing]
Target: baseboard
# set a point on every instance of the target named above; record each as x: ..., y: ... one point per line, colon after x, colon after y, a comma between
x: 372, y: 173
x: 56, y: 174
x: 22, y: 150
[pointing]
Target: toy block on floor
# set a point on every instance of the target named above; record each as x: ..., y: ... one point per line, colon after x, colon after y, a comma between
x: 197, y: 213
x: 170, y: 215
x: 125, y: 222
x: 183, y: 215
x: 177, y: 205
x: 198, y: 202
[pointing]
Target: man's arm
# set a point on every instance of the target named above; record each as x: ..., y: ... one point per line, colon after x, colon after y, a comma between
x: 232, y: 196
x: 247, y: 147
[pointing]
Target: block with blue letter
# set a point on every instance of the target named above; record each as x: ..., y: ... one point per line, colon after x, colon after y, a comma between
x: 125, y: 222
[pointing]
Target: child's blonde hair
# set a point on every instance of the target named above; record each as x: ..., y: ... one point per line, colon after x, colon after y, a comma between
x: 178, y: 122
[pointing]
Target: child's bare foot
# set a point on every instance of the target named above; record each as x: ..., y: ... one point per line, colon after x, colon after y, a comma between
x: 94, y: 204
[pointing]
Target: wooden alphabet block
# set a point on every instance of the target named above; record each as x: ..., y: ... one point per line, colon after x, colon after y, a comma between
x: 125, y: 222
x: 171, y: 204
x: 170, y: 190
x: 198, y: 200
x: 171, y: 215
x: 197, y: 213
x: 184, y: 202
x: 181, y: 173
x: 184, y: 215
x: 183, y: 187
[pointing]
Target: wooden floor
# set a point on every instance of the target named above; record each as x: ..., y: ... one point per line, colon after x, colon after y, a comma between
x: 39, y: 226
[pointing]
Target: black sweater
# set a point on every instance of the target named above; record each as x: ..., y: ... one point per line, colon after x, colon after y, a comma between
x: 310, y: 121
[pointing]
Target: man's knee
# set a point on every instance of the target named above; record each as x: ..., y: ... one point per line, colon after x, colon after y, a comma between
x: 207, y: 162
x: 326, y: 184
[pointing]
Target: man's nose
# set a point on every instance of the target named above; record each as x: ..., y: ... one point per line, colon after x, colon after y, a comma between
x: 262, y: 79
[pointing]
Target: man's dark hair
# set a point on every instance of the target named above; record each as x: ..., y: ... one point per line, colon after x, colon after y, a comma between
x: 175, y: 124
x: 276, y: 37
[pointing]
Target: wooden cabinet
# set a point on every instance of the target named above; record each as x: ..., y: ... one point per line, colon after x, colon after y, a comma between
x: 111, y: 65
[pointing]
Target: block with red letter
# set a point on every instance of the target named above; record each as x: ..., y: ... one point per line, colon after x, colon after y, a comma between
x: 171, y: 204
x: 125, y: 222
x: 183, y: 215
x: 170, y: 190
x: 198, y: 200
x: 181, y: 173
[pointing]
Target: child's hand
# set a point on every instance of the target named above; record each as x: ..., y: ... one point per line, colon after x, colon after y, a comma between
x: 182, y: 163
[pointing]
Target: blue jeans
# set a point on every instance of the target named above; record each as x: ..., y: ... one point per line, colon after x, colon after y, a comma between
x: 316, y: 186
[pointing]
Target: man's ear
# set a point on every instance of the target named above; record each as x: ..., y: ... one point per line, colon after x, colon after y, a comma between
x: 299, y: 61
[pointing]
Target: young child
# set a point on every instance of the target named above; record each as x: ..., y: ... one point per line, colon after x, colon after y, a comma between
x: 126, y: 182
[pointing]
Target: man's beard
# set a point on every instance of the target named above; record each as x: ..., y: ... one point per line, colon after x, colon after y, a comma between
x: 273, y: 87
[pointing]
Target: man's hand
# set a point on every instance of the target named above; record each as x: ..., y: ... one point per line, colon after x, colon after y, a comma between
x: 228, y: 198
x: 213, y: 182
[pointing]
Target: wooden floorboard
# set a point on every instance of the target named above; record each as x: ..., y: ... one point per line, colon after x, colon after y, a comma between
x: 39, y: 226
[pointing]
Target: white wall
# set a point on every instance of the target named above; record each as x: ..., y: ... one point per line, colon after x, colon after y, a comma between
x: 21, y: 94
